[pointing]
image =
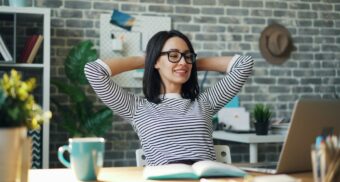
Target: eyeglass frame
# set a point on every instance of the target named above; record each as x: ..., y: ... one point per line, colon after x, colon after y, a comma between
x: 183, y: 54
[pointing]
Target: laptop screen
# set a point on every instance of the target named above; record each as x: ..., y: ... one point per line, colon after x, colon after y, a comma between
x: 309, y: 119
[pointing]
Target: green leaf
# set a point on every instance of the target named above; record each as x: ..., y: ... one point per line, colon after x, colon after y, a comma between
x: 75, y: 93
x: 68, y: 117
x: 75, y: 62
x: 3, y: 97
x: 261, y: 113
x: 84, y: 110
x: 14, y: 113
x: 100, y: 122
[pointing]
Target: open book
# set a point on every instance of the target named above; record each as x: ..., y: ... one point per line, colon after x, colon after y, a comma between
x: 195, y: 171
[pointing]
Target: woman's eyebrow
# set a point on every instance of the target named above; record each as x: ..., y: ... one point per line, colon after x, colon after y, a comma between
x: 173, y: 50
x: 186, y: 51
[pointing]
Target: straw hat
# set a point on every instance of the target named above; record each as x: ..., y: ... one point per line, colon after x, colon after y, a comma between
x: 276, y: 44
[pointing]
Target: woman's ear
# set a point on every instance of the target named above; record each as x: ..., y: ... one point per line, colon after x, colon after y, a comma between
x: 156, y: 66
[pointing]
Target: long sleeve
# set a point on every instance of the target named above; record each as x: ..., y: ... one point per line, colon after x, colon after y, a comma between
x: 224, y: 90
x: 118, y: 100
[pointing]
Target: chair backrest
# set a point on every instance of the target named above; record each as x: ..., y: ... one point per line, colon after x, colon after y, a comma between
x: 140, y: 158
x: 222, y: 155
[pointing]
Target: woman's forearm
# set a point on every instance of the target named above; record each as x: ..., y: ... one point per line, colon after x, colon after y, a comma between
x: 219, y: 64
x: 119, y: 65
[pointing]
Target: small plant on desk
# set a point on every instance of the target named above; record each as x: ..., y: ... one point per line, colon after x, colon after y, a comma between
x: 262, y: 115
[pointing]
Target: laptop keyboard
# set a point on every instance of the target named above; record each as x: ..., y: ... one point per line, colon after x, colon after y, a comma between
x: 268, y: 166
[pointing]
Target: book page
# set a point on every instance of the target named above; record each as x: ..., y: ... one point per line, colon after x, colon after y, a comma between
x: 170, y: 171
x: 213, y: 168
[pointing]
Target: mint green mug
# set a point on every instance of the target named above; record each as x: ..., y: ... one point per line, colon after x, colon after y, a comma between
x: 17, y: 3
x: 86, y: 157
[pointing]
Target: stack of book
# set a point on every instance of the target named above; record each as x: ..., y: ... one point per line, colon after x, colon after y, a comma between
x: 6, y: 56
x: 31, y: 48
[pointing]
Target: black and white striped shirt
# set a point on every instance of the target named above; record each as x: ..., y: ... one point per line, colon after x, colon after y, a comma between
x: 175, y: 129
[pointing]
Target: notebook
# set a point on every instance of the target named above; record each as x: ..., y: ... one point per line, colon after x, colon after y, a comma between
x: 310, y: 118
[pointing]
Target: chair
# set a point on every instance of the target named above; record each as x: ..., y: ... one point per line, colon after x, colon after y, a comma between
x: 140, y: 158
x: 222, y: 155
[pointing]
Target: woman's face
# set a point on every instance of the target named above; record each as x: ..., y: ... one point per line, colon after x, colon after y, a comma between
x: 174, y: 75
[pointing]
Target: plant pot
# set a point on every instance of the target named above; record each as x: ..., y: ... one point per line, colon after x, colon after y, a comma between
x: 261, y: 128
x: 13, y: 151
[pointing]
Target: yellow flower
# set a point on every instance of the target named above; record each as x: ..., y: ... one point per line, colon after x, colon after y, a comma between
x: 15, y: 75
x: 34, y: 124
x: 5, y: 83
x: 22, y: 92
x: 31, y: 83
x: 47, y: 115
x: 18, y: 94
x: 29, y: 102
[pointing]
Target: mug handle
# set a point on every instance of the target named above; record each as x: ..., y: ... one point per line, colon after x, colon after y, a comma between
x: 61, y: 158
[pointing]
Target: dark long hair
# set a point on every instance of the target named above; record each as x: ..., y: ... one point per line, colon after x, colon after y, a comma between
x: 152, y: 82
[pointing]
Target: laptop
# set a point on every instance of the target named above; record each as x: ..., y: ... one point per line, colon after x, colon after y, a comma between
x: 310, y: 118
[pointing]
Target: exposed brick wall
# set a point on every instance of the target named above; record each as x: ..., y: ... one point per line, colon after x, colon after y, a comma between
x: 216, y: 27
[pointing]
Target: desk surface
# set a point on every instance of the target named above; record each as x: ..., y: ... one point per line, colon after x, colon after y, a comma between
x: 127, y: 174
x: 248, y: 137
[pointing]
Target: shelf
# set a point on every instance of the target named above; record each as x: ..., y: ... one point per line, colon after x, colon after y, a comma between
x: 22, y: 65
x: 25, y: 10
x: 16, y: 25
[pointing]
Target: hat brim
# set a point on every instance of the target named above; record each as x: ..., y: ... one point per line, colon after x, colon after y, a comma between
x: 264, y: 44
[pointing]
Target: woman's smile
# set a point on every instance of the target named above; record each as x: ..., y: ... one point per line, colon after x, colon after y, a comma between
x: 183, y: 72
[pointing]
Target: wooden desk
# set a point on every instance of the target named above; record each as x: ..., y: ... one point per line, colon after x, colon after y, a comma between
x: 127, y: 174
x: 250, y: 138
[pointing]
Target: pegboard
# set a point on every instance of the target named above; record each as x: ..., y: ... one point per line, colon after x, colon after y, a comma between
x: 133, y: 44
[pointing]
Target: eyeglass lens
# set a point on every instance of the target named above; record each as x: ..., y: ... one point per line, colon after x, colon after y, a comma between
x: 175, y: 57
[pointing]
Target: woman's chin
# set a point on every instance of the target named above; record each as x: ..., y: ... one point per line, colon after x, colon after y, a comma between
x: 182, y: 81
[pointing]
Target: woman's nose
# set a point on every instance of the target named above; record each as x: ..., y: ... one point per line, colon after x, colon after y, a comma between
x: 182, y: 60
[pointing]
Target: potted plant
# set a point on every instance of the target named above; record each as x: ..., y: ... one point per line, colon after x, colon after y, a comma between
x: 18, y: 112
x: 80, y: 118
x: 262, y: 115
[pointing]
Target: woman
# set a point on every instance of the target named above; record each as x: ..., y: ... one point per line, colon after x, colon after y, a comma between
x: 173, y: 121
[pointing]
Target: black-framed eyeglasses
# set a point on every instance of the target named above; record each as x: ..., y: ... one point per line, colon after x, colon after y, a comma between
x: 176, y: 56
